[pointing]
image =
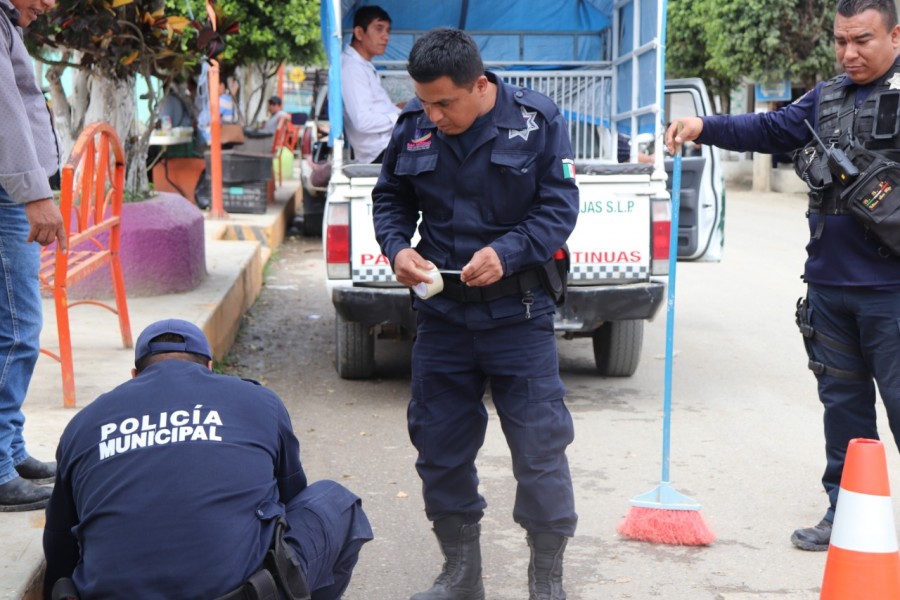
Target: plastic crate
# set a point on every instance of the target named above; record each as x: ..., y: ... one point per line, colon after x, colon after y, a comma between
x: 246, y: 197
x: 238, y: 167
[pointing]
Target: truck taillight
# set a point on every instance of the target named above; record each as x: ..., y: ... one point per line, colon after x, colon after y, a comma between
x: 337, y: 240
x: 661, y: 222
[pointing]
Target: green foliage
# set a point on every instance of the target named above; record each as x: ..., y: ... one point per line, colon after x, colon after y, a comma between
x: 772, y: 39
x: 724, y: 41
x: 283, y: 31
x: 117, y: 38
x: 686, y: 47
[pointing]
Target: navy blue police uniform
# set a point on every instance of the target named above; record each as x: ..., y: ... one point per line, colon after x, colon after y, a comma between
x: 850, y: 315
x: 170, y: 486
x: 502, y: 184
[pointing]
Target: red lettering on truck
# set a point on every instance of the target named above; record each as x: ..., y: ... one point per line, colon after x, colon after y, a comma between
x: 606, y: 256
x: 374, y: 259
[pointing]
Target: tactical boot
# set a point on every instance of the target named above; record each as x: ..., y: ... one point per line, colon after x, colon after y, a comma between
x: 814, y: 539
x: 545, y: 568
x: 460, y: 578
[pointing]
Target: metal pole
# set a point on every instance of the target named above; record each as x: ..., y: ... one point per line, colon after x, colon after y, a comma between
x: 217, y: 210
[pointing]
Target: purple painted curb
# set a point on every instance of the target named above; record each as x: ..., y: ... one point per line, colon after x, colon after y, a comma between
x: 163, y: 250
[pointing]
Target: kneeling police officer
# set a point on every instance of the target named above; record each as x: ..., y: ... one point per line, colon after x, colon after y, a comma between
x: 182, y: 483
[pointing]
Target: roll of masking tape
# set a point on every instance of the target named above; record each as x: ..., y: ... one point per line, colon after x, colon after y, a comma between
x: 427, y: 290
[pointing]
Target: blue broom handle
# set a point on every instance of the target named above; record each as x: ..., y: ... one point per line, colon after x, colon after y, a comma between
x: 670, y: 312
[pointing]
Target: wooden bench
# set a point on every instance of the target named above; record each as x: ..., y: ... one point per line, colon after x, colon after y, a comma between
x: 92, y: 186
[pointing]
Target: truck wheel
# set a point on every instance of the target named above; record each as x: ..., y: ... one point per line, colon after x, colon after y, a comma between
x: 355, y: 349
x: 617, y: 347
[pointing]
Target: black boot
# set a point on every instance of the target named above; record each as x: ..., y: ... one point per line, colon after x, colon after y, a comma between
x: 545, y: 568
x: 814, y: 539
x: 460, y: 578
x: 37, y: 471
x: 21, y: 494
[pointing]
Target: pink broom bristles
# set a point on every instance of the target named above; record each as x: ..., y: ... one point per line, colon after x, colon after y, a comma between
x: 664, y: 526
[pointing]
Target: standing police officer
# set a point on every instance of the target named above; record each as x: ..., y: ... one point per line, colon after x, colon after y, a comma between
x: 850, y: 316
x: 177, y: 483
x: 484, y: 163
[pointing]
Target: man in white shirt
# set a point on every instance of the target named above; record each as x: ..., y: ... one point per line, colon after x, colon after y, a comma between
x: 369, y: 113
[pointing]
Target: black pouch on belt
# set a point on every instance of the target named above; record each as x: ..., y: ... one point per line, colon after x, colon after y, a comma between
x: 874, y: 200
x: 555, y: 275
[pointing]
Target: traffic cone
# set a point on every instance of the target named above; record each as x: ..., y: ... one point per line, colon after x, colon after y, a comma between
x: 863, y: 557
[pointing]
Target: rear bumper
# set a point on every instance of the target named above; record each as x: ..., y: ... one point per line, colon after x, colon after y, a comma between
x: 588, y: 307
x: 375, y: 306
x: 585, y: 310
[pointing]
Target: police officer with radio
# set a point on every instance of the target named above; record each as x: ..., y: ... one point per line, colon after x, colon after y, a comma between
x: 850, y: 316
x: 489, y: 166
x: 182, y: 483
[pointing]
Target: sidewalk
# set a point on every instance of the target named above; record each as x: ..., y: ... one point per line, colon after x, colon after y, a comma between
x: 237, y: 249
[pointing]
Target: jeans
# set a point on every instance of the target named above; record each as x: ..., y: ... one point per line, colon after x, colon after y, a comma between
x: 20, y: 329
x: 868, y: 321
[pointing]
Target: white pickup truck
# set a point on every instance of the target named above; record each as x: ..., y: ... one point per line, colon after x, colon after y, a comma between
x: 620, y: 246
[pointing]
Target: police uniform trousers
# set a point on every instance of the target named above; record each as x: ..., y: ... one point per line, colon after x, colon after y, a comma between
x: 870, y: 321
x: 451, y: 367
x: 327, y: 529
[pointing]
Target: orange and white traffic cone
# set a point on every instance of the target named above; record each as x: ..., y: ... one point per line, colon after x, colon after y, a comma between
x: 863, y: 557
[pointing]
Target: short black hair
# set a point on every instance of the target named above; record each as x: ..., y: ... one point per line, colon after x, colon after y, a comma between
x: 366, y: 14
x: 175, y: 339
x: 275, y: 100
x: 445, y: 52
x: 887, y: 8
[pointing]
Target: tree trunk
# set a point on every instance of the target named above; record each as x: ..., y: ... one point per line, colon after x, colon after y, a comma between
x: 96, y: 98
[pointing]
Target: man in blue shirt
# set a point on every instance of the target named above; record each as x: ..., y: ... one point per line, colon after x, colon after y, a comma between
x: 487, y: 164
x: 173, y: 484
x: 850, y: 316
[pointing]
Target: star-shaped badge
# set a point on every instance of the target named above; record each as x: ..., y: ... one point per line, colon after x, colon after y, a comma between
x: 530, y: 125
x: 894, y: 81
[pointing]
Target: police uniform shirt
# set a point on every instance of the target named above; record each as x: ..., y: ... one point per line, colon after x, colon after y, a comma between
x: 168, y: 485
x: 844, y: 254
x: 510, y: 191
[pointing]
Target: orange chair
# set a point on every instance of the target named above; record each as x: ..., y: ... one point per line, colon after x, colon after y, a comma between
x: 92, y: 185
x: 286, y: 136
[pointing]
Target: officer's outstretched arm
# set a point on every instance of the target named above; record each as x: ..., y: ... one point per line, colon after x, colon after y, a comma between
x: 410, y: 267
x: 691, y: 127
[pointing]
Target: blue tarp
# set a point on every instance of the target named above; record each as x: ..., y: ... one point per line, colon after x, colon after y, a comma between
x: 513, y: 16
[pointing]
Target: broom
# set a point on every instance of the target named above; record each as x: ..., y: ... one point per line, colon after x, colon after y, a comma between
x: 663, y: 515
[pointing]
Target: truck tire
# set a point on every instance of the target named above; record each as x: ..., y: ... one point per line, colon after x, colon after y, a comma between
x: 354, y: 349
x: 617, y: 347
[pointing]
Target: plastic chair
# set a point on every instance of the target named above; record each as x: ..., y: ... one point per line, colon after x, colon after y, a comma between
x: 286, y: 136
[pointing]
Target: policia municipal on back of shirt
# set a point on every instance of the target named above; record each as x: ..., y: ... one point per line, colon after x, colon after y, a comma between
x: 852, y: 166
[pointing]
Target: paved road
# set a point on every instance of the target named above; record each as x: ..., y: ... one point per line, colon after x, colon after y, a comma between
x: 746, y: 444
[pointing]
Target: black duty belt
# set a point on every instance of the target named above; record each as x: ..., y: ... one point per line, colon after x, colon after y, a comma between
x: 455, y: 289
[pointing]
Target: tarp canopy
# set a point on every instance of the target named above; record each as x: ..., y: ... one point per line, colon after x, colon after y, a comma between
x: 511, y: 16
x: 508, y: 32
